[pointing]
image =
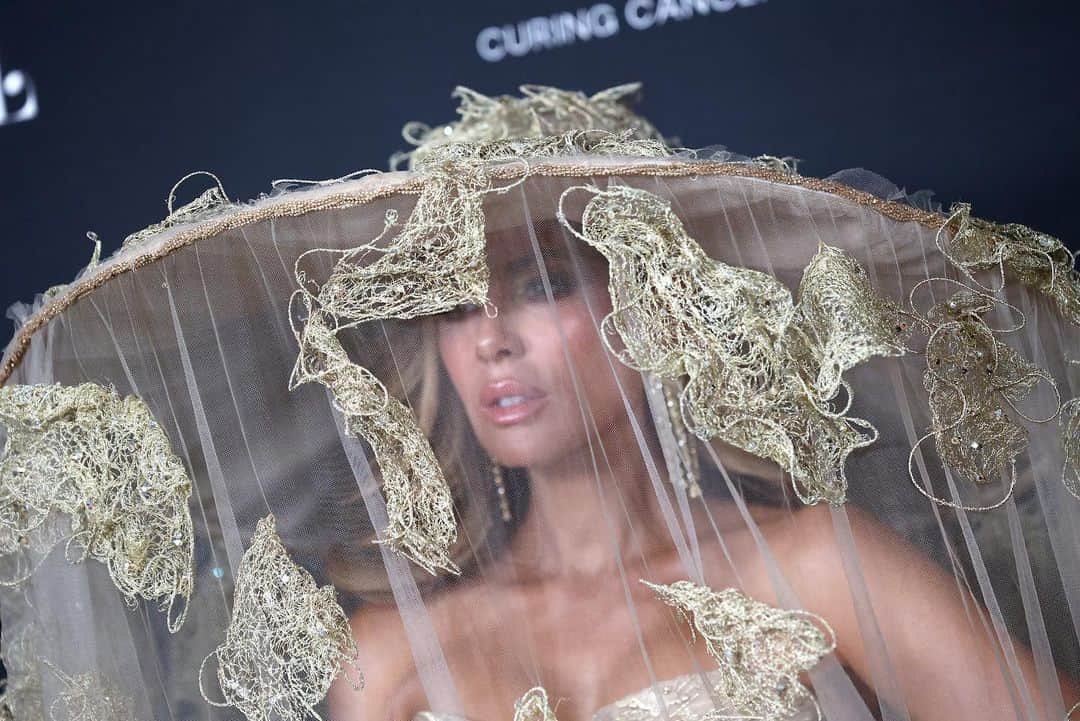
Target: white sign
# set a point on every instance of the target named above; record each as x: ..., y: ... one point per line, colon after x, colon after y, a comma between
x: 16, y: 84
x: 597, y: 21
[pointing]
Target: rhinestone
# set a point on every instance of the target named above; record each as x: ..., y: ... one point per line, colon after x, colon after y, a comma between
x: 998, y: 413
x: 975, y: 445
x: 730, y: 655
x: 218, y: 572
x: 178, y: 539
x: 1046, y: 241
x: 781, y: 686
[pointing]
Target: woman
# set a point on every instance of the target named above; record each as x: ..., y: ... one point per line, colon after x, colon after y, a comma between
x: 530, y: 330
x: 559, y: 601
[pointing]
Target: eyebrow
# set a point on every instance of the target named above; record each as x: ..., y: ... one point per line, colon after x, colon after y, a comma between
x: 527, y: 262
x: 549, y: 251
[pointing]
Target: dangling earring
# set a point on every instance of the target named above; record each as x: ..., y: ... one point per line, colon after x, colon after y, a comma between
x: 500, y: 490
x: 686, y: 466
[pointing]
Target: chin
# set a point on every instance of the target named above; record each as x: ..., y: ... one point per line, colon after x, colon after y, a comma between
x: 531, y: 448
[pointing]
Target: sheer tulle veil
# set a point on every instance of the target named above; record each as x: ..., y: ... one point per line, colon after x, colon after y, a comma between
x: 554, y: 419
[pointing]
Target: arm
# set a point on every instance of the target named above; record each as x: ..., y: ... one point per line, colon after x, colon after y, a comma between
x: 947, y: 667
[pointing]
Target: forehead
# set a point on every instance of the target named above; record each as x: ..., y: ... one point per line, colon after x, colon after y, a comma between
x: 515, y: 247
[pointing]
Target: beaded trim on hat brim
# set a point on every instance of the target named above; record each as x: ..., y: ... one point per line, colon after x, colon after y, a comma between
x: 371, y: 188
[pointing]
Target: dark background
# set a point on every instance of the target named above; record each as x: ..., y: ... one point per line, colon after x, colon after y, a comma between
x: 975, y: 100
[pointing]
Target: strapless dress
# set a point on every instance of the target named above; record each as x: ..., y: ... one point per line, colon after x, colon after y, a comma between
x: 686, y: 698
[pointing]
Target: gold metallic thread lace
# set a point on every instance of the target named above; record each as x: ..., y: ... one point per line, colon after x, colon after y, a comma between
x: 1037, y: 260
x: 1069, y: 423
x: 687, y: 698
x: 210, y: 201
x: 89, y: 697
x: 105, y: 465
x: 760, y: 650
x: 287, y: 639
x: 764, y: 371
x: 541, y: 111
x: 575, y: 142
x: 533, y: 706
x: 419, y: 504
x: 433, y: 264
x: 972, y: 378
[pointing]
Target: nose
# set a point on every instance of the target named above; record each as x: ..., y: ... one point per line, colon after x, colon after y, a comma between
x: 496, y: 340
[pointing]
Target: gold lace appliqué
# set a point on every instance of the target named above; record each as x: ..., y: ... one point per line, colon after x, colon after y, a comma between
x: 760, y: 650
x: 575, y: 142
x: 533, y: 706
x: 1069, y: 423
x: 1037, y: 260
x: 89, y: 697
x: 541, y: 111
x: 287, y: 640
x: 106, y: 466
x: 207, y: 203
x: 764, y: 371
x: 971, y: 377
x: 433, y: 264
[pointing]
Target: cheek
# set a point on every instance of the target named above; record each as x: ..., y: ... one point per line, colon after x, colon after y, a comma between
x: 601, y: 374
x: 454, y: 352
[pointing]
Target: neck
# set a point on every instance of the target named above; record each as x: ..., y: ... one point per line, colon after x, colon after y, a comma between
x: 589, y: 507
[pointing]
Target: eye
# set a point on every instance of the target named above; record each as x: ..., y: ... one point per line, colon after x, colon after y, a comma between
x: 562, y: 285
x: 459, y: 312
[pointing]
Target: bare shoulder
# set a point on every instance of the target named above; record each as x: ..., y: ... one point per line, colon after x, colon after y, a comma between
x: 818, y: 534
x: 825, y: 553
x: 384, y: 660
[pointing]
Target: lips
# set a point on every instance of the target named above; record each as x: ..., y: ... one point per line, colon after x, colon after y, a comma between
x: 510, y: 401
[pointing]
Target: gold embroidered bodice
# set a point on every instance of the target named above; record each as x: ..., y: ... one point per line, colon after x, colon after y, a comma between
x: 684, y: 698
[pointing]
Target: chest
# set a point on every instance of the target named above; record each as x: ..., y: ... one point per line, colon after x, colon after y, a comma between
x: 588, y: 645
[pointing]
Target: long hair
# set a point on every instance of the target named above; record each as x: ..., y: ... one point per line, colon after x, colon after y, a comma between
x: 406, y: 358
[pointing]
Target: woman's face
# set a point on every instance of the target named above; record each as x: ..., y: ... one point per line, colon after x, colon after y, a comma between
x: 515, y: 373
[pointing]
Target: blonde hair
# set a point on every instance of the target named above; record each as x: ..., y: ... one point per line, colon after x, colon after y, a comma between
x: 418, y: 378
